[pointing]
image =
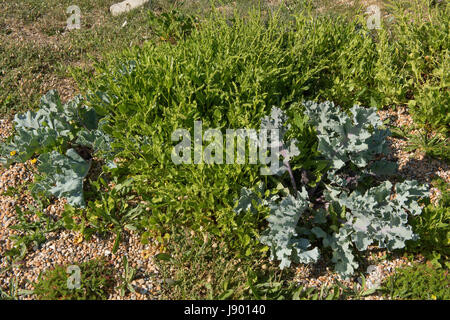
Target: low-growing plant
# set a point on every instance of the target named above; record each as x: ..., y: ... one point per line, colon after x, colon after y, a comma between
x: 272, y: 287
x: 14, y: 292
x: 112, y: 209
x: 416, y: 67
x: 433, y: 230
x: 96, y: 282
x: 127, y: 277
x: 349, y: 215
x: 58, y: 134
x: 172, y: 25
x: 443, y: 187
x: 433, y: 144
x: 358, y: 291
x: 418, y: 282
x: 205, y: 268
x: 32, y: 232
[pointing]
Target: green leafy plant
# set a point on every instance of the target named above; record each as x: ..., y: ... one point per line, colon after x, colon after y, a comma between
x: 275, y: 288
x: 208, y: 268
x: 358, y: 218
x: 172, y: 25
x: 14, y: 292
x: 433, y: 230
x: 52, y: 132
x: 271, y: 288
x: 32, y: 233
x: 433, y: 145
x: 216, y: 75
x: 418, y: 282
x: 128, y: 276
x: 412, y: 66
x: 443, y: 187
x: 109, y: 210
x: 427, y: 60
x: 356, y: 292
x: 195, y: 195
x: 96, y: 282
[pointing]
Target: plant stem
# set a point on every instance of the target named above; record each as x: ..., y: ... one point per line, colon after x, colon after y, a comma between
x: 291, y: 175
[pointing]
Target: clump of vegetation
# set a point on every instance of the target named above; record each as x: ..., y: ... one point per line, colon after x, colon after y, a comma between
x: 433, y: 230
x: 66, y: 137
x: 31, y: 233
x: 95, y: 283
x: 418, y: 282
x: 172, y: 25
x: 411, y: 70
x: 421, y: 43
x: 343, y: 210
x: 216, y: 75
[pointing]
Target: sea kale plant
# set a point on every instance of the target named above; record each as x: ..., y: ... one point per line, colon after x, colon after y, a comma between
x: 349, y: 209
x: 350, y: 143
x: 62, y: 139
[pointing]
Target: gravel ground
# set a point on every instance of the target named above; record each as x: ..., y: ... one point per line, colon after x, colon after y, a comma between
x: 414, y: 165
x: 66, y: 247
x: 375, y: 270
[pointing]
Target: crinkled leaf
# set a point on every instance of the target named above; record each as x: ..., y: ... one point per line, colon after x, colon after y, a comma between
x: 408, y: 192
x: 285, y: 150
x: 248, y: 198
x: 383, y: 168
x: 357, y: 139
x: 63, y: 176
x: 281, y: 234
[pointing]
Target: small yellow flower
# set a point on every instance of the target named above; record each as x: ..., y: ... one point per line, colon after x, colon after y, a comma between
x: 146, y: 254
x: 33, y: 161
x: 12, y: 153
x: 433, y: 297
x: 78, y: 239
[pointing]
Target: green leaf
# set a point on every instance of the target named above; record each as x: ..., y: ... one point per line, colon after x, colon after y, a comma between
x: 116, y: 243
x: 163, y: 256
x: 63, y: 176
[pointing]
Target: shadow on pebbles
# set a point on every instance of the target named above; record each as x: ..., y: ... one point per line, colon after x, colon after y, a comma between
x: 65, y: 247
